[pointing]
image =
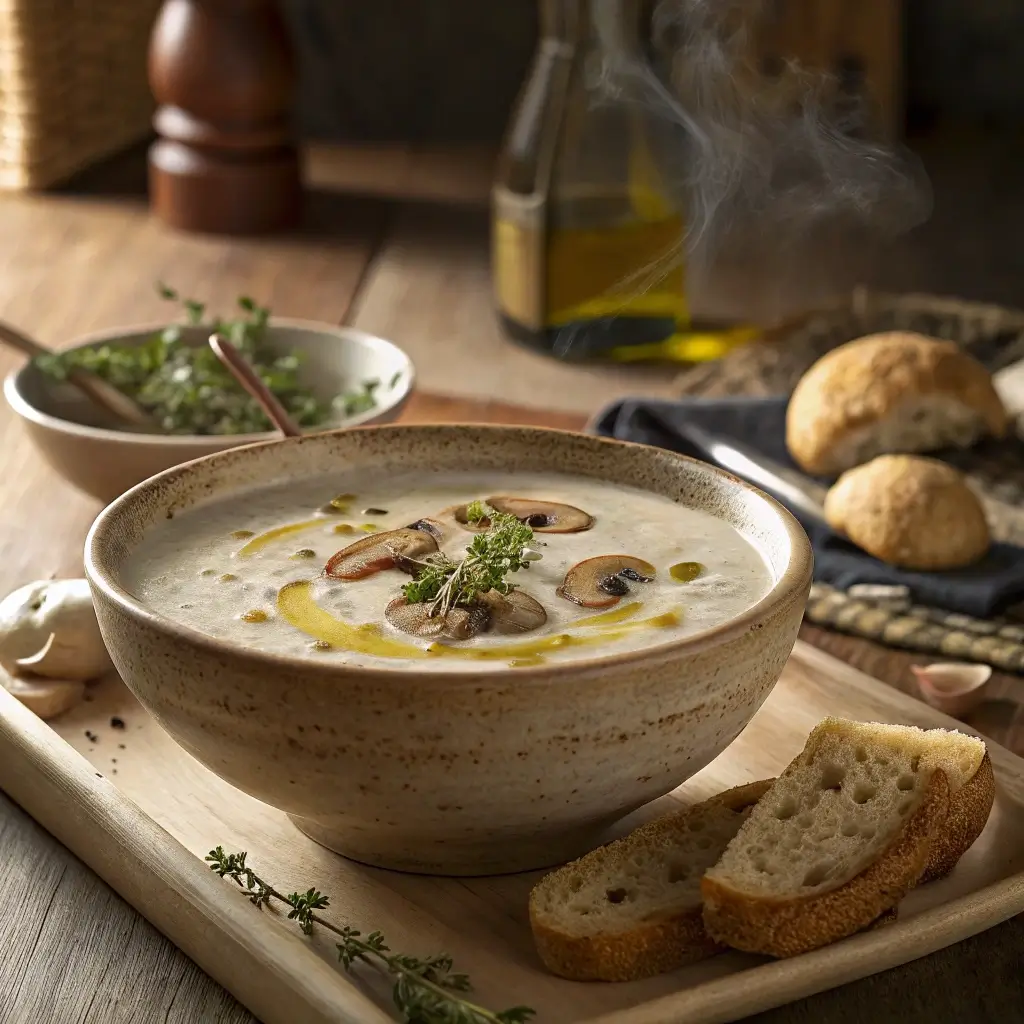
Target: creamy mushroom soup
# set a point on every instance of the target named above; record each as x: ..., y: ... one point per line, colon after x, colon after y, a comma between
x: 415, y: 568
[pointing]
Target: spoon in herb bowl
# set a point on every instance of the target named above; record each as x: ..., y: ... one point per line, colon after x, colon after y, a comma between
x: 241, y: 369
x: 128, y: 412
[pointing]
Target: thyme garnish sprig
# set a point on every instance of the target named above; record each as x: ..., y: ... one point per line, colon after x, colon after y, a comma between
x: 425, y: 990
x: 500, y: 550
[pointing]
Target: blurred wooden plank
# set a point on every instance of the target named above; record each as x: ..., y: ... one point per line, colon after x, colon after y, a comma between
x: 428, y: 408
x: 458, y: 174
x: 74, y: 952
x: 78, y: 261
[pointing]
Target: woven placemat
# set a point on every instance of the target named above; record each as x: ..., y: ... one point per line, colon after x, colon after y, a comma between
x: 896, y: 622
x: 995, y: 335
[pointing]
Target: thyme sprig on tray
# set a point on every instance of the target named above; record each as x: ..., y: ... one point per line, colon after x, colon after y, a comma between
x: 425, y: 990
x: 500, y: 550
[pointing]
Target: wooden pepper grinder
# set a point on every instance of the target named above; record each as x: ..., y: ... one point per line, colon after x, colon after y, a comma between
x: 225, y: 161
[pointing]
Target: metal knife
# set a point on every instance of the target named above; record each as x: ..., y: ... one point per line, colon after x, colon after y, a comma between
x: 740, y: 459
x: 754, y: 467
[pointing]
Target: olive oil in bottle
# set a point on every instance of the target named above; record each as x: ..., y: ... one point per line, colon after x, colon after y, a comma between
x: 612, y: 274
x: 588, y: 243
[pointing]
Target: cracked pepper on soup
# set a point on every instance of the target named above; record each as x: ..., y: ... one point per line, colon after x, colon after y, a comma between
x: 475, y: 569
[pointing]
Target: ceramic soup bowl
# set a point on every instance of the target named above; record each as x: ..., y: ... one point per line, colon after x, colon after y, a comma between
x: 429, y: 770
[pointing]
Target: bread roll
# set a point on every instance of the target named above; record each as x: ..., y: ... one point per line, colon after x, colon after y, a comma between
x: 889, y: 393
x: 909, y: 511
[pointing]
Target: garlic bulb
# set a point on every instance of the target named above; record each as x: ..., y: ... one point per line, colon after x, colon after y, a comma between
x: 48, y: 628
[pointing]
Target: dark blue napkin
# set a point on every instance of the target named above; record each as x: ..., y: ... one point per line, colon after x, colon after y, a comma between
x: 982, y: 590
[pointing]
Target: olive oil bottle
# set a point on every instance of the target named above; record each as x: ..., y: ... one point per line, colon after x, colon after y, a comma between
x: 588, y: 243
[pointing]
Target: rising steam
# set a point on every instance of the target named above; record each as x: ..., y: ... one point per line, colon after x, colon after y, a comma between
x: 744, y: 151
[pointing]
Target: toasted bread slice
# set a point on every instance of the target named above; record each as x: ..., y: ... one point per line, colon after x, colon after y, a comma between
x: 631, y: 909
x: 849, y: 828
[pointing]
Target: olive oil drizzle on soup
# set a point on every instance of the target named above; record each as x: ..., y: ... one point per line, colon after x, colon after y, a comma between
x: 636, y: 571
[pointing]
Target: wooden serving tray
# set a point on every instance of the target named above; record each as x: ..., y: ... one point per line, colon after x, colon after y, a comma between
x: 142, y: 813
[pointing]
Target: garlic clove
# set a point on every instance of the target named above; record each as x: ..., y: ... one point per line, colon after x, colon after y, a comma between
x: 955, y: 688
x: 49, y: 627
x: 953, y: 677
x: 46, y: 698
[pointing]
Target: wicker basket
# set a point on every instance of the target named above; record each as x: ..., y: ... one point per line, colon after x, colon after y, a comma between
x: 73, y: 85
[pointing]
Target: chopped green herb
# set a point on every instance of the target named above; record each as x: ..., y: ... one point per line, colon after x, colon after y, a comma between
x: 194, y: 311
x: 477, y: 511
x: 356, y: 402
x: 187, y: 390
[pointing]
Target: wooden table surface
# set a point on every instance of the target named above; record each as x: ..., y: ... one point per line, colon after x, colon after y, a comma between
x: 74, y: 262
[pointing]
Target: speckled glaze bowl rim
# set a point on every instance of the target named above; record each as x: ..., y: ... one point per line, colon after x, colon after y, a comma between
x: 795, y: 578
x: 202, y: 442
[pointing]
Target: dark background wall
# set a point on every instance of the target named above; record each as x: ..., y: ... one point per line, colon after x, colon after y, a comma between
x: 414, y: 70
x: 965, y: 58
x: 449, y: 70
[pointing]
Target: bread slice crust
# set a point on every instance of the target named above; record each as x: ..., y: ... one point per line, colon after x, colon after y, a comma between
x: 969, y: 810
x: 663, y: 942
x: 787, y: 927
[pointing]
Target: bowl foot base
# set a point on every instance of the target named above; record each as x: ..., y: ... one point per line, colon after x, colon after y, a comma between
x: 458, y: 858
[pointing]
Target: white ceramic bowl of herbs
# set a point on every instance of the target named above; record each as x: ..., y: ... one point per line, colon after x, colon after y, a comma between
x: 325, y: 376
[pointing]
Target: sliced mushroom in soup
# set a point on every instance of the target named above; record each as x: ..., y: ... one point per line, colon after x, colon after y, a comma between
x: 603, y: 581
x: 540, y: 516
